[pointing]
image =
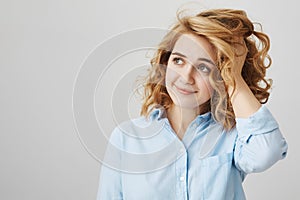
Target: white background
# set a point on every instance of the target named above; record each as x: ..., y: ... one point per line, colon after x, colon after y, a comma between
x: 42, y: 46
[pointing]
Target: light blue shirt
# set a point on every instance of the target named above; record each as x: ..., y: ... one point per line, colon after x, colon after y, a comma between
x: 147, y: 161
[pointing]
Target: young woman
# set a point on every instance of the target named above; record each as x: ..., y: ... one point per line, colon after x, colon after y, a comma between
x: 203, y: 126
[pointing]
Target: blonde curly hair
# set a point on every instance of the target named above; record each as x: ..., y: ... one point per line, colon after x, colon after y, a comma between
x: 222, y: 28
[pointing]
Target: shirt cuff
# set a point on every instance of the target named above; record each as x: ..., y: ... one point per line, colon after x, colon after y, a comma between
x: 261, y: 122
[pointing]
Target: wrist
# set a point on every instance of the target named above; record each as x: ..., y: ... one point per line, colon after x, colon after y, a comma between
x: 239, y: 83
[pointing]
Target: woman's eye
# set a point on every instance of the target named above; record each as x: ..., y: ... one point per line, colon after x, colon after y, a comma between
x: 178, y: 61
x: 203, y: 68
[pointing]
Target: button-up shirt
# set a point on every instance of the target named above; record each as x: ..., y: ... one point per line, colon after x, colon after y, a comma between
x: 145, y: 160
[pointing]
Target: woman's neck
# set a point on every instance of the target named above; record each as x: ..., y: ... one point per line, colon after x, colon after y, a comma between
x: 180, y: 118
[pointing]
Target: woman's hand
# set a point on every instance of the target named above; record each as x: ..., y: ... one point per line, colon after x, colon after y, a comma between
x: 242, y: 99
x: 240, y: 50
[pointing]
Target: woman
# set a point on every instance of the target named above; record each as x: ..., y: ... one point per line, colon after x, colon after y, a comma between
x: 203, y: 126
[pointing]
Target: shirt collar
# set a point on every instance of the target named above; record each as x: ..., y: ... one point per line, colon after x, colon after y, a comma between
x: 202, y: 118
x: 160, y: 113
x: 157, y: 113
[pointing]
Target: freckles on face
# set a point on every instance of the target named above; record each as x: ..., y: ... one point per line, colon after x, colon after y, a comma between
x: 188, y: 69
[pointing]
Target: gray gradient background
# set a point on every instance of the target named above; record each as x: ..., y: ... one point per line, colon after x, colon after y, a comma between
x: 42, y: 46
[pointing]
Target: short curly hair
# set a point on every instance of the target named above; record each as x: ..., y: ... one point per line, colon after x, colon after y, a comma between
x: 221, y: 27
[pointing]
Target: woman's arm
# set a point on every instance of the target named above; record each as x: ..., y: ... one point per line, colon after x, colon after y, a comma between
x: 260, y: 143
x: 242, y: 99
x: 110, y: 184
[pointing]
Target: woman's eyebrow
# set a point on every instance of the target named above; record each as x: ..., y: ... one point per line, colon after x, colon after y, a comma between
x: 201, y: 59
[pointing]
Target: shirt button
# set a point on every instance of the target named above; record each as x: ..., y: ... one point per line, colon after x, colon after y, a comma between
x: 182, y: 150
x: 181, y: 179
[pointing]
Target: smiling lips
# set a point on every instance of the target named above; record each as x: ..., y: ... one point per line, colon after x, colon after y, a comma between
x: 184, y: 91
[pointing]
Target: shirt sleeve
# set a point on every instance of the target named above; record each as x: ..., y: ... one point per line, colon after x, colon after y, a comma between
x: 110, y: 185
x: 259, y: 143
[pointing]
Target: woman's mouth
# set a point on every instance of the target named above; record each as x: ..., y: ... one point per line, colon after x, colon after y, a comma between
x: 184, y: 91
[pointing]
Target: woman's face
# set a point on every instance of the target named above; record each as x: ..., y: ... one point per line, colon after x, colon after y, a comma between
x: 188, y: 69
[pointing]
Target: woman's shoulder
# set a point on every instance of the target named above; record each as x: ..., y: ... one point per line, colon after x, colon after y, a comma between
x: 140, y: 126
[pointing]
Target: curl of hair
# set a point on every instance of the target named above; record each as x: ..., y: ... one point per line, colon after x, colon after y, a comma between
x: 222, y: 28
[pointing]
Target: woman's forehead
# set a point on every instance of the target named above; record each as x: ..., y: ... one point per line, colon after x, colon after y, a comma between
x: 193, y: 47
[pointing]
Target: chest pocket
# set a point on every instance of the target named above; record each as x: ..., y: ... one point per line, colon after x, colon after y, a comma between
x: 216, y: 172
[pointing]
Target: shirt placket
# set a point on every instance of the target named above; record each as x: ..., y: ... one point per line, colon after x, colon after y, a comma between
x: 181, y: 166
x: 181, y: 175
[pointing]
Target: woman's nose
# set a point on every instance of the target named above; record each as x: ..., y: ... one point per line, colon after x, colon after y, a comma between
x: 188, y: 73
